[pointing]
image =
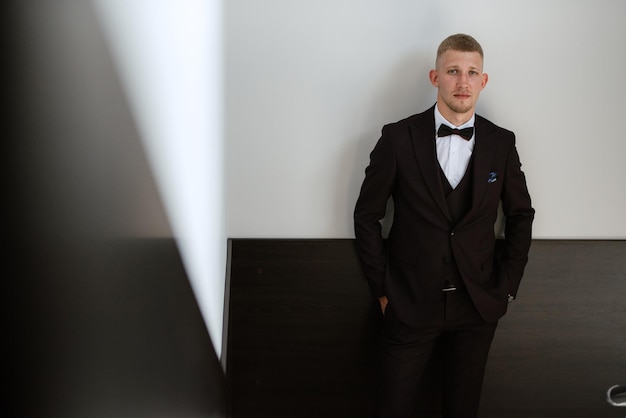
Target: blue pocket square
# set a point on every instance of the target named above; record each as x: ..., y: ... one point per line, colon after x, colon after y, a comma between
x: 493, y: 176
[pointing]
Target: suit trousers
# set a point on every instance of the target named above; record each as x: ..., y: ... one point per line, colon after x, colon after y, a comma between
x: 459, y: 339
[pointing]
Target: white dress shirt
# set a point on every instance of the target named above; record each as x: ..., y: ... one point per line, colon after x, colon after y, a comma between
x: 453, y: 152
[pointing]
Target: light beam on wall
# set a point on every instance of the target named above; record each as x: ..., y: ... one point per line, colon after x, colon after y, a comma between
x: 169, y: 58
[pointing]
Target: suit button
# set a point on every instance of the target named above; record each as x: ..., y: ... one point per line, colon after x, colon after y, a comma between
x: 452, y: 233
x: 446, y: 260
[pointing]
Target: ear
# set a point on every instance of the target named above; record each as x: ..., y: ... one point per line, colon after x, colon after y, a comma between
x: 433, y: 75
x: 485, y: 79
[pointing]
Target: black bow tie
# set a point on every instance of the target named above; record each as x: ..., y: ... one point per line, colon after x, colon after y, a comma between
x: 465, y: 133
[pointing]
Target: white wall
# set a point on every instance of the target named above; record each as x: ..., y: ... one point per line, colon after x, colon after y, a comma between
x: 309, y: 84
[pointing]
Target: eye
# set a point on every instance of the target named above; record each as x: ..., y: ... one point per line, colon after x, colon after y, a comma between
x: 453, y: 71
x: 473, y: 73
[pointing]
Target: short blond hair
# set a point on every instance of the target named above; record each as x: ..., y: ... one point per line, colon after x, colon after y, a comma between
x: 459, y: 42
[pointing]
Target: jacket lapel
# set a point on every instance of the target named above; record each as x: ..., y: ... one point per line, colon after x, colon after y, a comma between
x: 423, y: 136
x: 483, y: 155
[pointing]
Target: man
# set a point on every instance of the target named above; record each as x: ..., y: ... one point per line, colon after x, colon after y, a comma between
x: 440, y: 277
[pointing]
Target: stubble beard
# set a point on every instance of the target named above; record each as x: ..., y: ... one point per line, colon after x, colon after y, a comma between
x: 458, y: 107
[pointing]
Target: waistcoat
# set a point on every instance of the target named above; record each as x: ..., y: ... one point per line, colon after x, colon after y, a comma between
x: 459, y: 201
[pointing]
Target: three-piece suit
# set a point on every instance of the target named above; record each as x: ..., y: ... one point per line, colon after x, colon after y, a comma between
x: 442, y: 238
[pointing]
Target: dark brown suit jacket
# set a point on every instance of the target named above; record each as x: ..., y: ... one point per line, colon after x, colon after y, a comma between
x: 411, y: 265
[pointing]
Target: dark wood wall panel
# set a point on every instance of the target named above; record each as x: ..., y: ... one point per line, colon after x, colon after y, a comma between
x: 303, y: 331
x: 299, y: 324
x: 563, y: 343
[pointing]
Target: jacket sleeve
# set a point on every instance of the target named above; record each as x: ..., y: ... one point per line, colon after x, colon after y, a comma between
x: 370, y: 210
x: 519, y: 215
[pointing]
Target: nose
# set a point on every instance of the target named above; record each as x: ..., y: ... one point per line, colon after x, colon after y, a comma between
x: 463, y: 79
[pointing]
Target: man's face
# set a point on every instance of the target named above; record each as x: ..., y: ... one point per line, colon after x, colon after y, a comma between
x: 459, y: 80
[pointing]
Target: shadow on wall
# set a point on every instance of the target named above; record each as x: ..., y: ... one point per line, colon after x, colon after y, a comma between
x: 103, y: 321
